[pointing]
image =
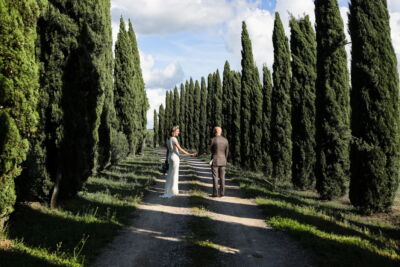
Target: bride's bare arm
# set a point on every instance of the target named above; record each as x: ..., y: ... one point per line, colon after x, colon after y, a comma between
x: 184, y: 151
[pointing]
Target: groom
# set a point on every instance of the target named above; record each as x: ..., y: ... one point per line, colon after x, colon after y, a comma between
x: 219, y: 147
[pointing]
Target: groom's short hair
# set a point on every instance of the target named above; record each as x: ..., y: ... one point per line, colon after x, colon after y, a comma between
x: 216, y: 128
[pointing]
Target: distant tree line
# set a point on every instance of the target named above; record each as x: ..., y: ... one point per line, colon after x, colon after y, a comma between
x: 304, y: 125
x: 67, y: 108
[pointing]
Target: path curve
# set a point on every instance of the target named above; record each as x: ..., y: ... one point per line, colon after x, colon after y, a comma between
x: 156, y: 235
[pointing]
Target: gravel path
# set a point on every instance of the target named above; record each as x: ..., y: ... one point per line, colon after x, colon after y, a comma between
x: 156, y: 236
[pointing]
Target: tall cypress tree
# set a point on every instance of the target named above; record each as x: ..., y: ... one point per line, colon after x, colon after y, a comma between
x: 281, y: 128
x: 161, y: 126
x: 235, y: 146
x: 176, y: 108
x: 227, y: 92
x: 375, y: 108
x: 155, y: 127
x: 332, y: 102
x: 304, y: 64
x: 266, y: 126
x: 217, y: 100
x: 187, y: 117
x: 168, y: 113
x: 125, y: 92
x: 190, y: 114
x: 210, y: 113
x: 203, y: 117
x: 256, y: 122
x: 196, y: 113
x: 18, y: 93
x: 182, y: 115
x: 248, y: 68
x: 141, y: 104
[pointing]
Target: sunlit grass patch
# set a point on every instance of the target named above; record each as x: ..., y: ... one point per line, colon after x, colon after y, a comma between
x: 73, y: 234
x: 337, y: 234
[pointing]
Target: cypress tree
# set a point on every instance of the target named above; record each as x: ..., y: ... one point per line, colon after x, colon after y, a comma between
x: 187, y: 111
x: 176, y: 108
x: 190, y: 114
x: 227, y: 93
x: 196, y: 113
x: 18, y: 93
x: 168, y: 113
x: 266, y: 125
x: 256, y: 122
x: 235, y: 146
x: 182, y: 115
x: 155, y: 127
x: 332, y: 102
x: 375, y: 108
x: 281, y: 127
x: 248, y: 68
x: 161, y: 126
x: 210, y: 112
x: 217, y: 100
x: 203, y: 117
x: 304, y: 63
x: 108, y: 136
x: 125, y: 89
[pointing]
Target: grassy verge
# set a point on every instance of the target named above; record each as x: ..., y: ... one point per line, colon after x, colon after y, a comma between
x: 74, y: 234
x: 201, y: 250
x: 332, y: 229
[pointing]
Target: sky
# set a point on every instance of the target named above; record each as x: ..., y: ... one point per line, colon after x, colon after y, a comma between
x: 180, y: 39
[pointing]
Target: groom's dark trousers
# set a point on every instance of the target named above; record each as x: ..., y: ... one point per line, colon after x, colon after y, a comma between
x: 219, y: 148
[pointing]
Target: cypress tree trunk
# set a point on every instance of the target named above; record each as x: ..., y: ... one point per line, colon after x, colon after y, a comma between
x: 248, y: 68
x: 161, y: 126
x: 203, y: 117
x: 266, y: 129
x: 197, y: 111
x: 375, y: 108
x: 182, y: 115
x: 234, y: 147
x: 155, y: 127
x: 19, y: 91
x: 332, y: 102
x: 281, y: 128
x: 304, y: 63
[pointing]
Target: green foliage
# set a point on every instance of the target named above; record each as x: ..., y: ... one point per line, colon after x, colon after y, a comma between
x: 18, y: 93
x: 203, y: 117
x: 256, y: 108
x: 235, y: 146
x: 190, y: 114
x: 248, y: 68
x: 304, y: 63
x: 227, y: 94
x: 182, y: 115
x: 176, y: 107
x: 281, y: 128
x: 332, y: 102
x: 375, y: 152
x: 161, y: 126
x: 266, y: 125
x: 217, y: 100
x: 210, y: 96
x: 155, y: 128
x: 196, y: 113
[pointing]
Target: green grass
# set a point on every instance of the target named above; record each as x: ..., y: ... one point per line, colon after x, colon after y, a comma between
x: 73, y: 234
x: 333, y: 230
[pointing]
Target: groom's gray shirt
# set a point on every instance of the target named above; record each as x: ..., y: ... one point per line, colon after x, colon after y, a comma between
x: 219, y: 148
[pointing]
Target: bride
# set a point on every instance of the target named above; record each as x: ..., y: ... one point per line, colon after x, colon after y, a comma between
x: 171, y: 184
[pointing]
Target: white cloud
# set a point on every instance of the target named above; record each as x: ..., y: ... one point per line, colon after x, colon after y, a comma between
x: 297, y: 8
x: 394, y: 5
x: 153, y: 77
x: 395, y: 27
x: 171, y: 16
x: 156, y: 97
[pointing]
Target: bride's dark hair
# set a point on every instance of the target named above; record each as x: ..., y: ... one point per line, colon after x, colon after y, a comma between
x: 173, y: 129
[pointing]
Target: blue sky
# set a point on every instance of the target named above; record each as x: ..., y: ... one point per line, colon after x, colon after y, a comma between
x: 179, y: 39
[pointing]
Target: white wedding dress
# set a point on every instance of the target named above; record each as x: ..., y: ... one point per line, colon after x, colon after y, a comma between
x: 171, y: 183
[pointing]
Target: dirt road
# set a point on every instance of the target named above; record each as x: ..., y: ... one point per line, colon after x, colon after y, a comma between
x: 156, y: 236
